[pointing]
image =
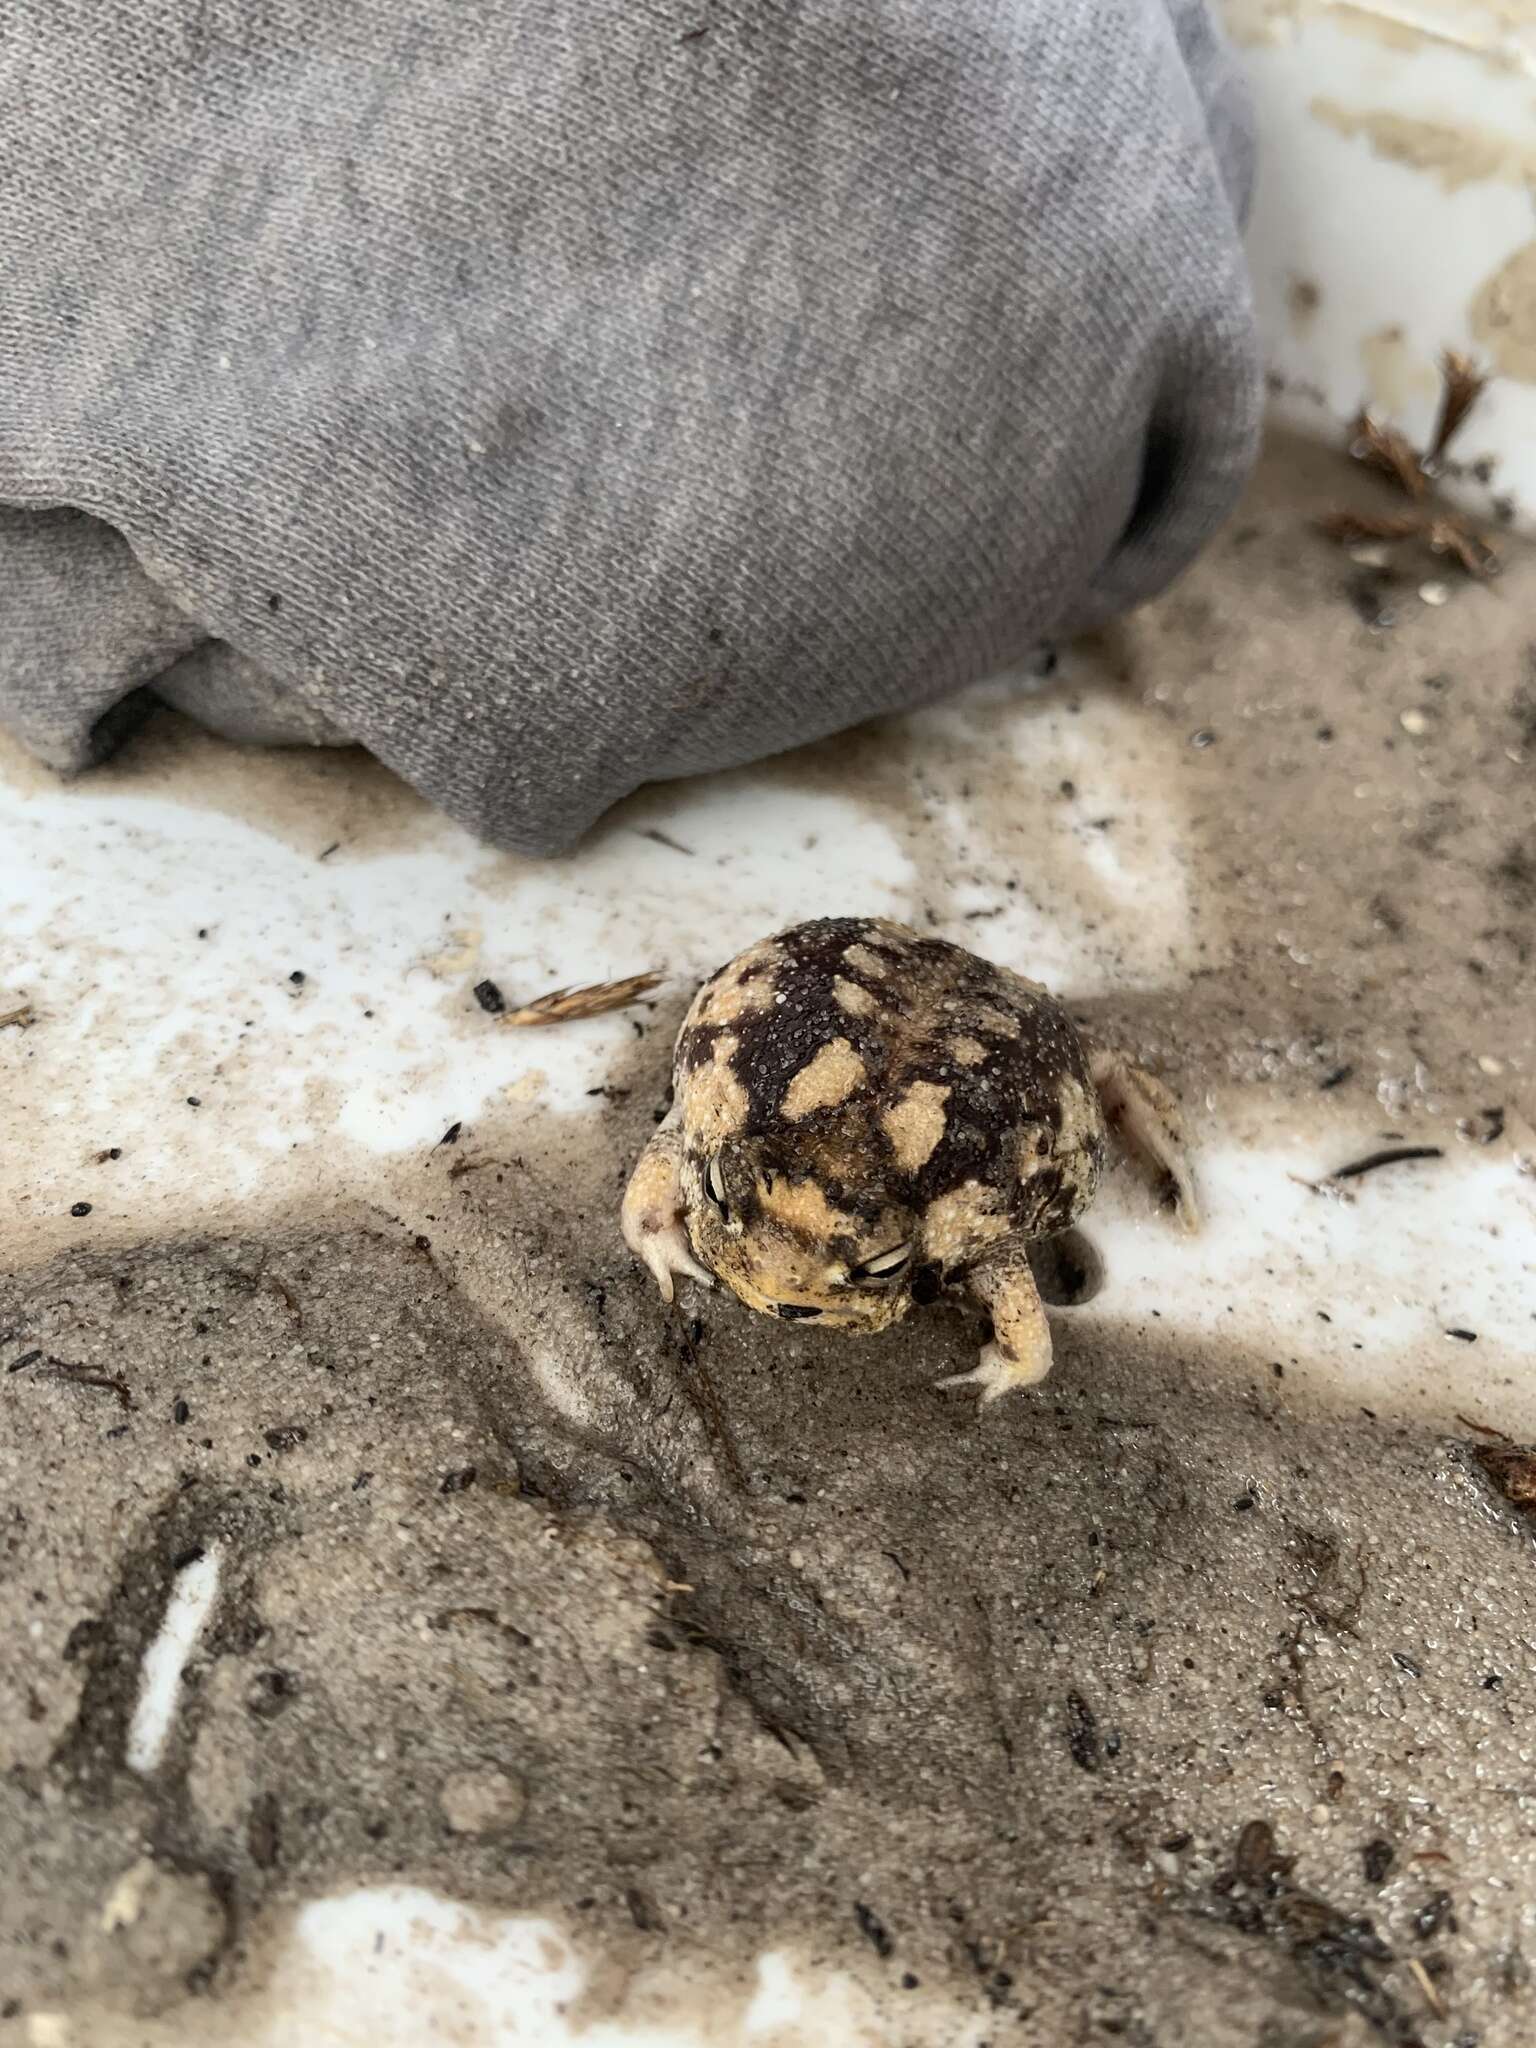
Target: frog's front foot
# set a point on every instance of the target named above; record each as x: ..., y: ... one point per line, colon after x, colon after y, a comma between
x: 653, y: 1215
x: 996, y: 1374
x: 1019, y: 1354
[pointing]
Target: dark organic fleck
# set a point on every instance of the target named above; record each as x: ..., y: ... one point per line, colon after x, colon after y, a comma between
x: 79, y: 1208
x: 261, y: 1831
x: 194, y: 1102
x: 643, y: 1910
x: 271, y: 1693
x: 908, y: 1981
x: 27, y: 1358
x: 1463, y: 1336
x: 1378, y: 1857
x: 451, y: 1135
x: 1512, y: 1470
x: 285, y: 1438
x: 1255, y: 1859
x: 490, y: 998
x: 1365, y: 594
x: 1486, y: 1127
x: 872, y: 1927
x: 1336, y: 1078
x: 361, y: 1481
x: 1203, y: 738
x: 1405, y: 1663
x: 1082, y: 1733
x: 180, y: 1412
x: 458, y: 1482
x: 297, y: 977
x: 1434, y: 1914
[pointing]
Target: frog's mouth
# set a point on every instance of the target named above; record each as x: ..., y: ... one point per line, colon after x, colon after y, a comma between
x: 859, y: 1313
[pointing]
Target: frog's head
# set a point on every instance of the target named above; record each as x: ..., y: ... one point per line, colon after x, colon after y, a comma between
x: 803, y: 1238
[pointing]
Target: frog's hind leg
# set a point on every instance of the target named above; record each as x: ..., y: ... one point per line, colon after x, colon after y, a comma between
x: 1020, y: 1351
x: 652, y: 1215
x: 1145, y: 1114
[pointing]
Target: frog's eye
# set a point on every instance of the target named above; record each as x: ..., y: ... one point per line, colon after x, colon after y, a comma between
x: 884, y: 1265
x: 714, y: 1184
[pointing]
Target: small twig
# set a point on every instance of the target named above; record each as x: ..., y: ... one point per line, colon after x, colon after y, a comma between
x: 1482, y: 1428
x: 1392, y: 1156
x: 1349, y: 527
x: 1333, y: 1189
x: 21, y: 1016
x: 661, y: 838
x: 564, y: 1005
x: 86, y: 1376
x: 1426, y: 1983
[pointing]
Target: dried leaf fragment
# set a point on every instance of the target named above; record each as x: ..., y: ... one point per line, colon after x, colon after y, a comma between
x: 566, y: 1005
x: 1462, y: 384
x: 1512, y: 1471
x: 1382, y: 447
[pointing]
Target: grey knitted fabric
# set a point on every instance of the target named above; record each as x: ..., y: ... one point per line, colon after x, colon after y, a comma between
x: 555, y: 395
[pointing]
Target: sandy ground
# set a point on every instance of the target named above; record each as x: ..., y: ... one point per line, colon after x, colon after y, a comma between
x: 1188, y: 1700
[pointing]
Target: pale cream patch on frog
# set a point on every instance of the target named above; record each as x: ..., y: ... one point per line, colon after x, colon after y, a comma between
x: 1001, y: 1023
x: 825, y: 1081
x: 858, y: 1002
x: 915, y: 1124
x: 863, y: 961
x: 966, y: 1052
x: 1080, y: 1118
x: 801, y: 1207
x: 958, y: 1225
x: 1034, y: 1153
x: 715, y: 1103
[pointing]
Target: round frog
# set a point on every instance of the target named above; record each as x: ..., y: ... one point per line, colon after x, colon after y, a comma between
x: 863, y: 1117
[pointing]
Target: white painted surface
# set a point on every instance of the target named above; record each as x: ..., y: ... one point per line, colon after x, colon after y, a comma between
x: 1388, y: 245
x: 191, y: 1601
x: 364, y: 1968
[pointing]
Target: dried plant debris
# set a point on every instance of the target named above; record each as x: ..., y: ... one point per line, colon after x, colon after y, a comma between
x: 1512, y: 1469
x: 1340, y: 1956
x: 1384, y: 448
x: 1387, y: 450
x: 1462, y: 384
x: 21, y: 1016
x: 566, y: 1005
x: 1334, y: 1183
x: 1392, y: 1156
